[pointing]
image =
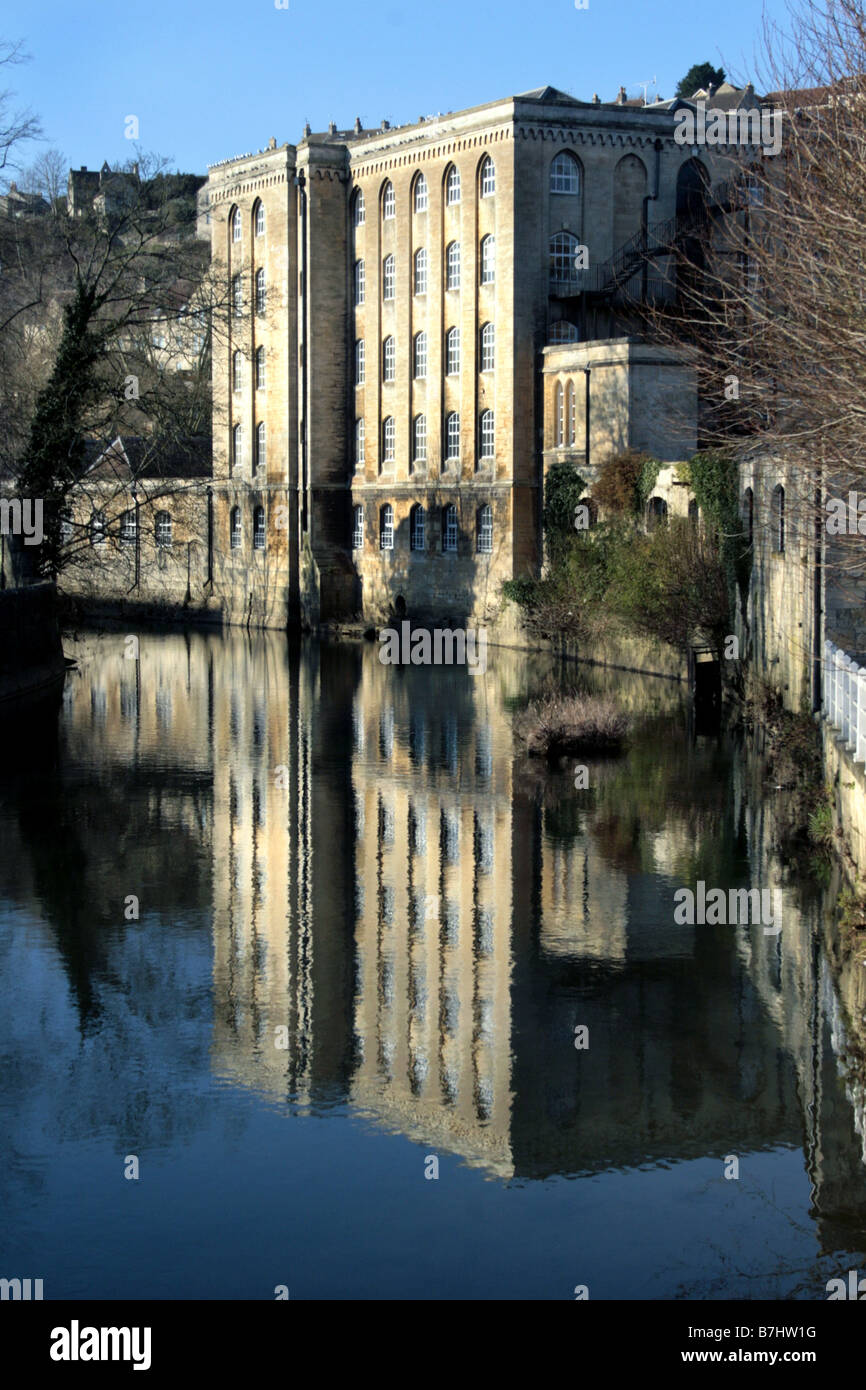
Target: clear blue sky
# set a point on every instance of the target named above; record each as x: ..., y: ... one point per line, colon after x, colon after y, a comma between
x: 209, y: 79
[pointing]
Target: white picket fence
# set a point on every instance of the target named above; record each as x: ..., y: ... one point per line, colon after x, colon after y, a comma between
x: 844, y: 703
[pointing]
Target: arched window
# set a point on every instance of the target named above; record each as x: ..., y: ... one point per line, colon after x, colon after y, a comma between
x: 163, y: 530
x: 484, y: 529
x: 260, y: 369
x: 417, y: 528
x: 570, y: 414
x: 452, y: 352
x: 449, y: 528
x: 258, y: 528
x: 389, y: 359
x: 452, y: 436
x: 237, y: 225
x: 563, y: 253
x: 67, y: 528
x: 359, y: 442
x: 389, y: 202
x: 359, y: 280
x: 749, y: 513
x: 237, y: 446
x: 564, y: 332
x: 488, y: 177
x: 420, y: 355
x: 565, y: 174
x: 421, y: 271
x: 389, y: 439
x: 261, y: 447
x: 419, y: 439
x: 97, y: 530
x: 260, y: 219
x: 778, y: 519
x: 388, y: 278
x: 488, y: 260
x: 238, y: 295
x: 235, y: 528
x: 488, y: 347
x: 358, y: 213
x: 237, y: 371
x: 128, y: 527
x: 261, y: 292
x: 420, y: 194
x: 656, y: 512
x: 487, y: 435
x: 386, y: 527
x: 358, y: 528
x: 558, y: 415
x: 452, y: 260
x: 452, y: 186
x: 359, y: 362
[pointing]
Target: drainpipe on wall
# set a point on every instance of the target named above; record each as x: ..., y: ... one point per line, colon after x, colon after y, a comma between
x: 137, y: 539
x: 644, y: 221
x: 817, y: 603
x: 301, y: 185
x: 210, y: 536
x: 586, y: 375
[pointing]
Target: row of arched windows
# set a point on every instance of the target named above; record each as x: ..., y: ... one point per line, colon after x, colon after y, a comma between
x: 486, y: 358
x: 564, y: 178
x: 486, y: 438
x: 162, y: 529
x: 238, y: 369
x: 260, y: 456
x: 261, y: 293
x: 778, y: 520
x: 236, y: 221
x: 450, y: 529
x: 236, y: 528
x: 486, y: 271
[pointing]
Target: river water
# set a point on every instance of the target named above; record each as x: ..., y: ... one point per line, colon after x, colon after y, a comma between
x: 304, y: 941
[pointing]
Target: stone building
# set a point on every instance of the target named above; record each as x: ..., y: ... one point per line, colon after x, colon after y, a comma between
x: 400, y: 300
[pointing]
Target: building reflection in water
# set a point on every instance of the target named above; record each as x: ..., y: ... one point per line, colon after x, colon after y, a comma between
x: 428, y: 918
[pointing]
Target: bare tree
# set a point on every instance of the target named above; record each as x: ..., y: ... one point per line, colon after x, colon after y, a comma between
x: 17, y: 125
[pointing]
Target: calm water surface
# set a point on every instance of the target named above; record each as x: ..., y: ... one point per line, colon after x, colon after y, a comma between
x: 367, y: 930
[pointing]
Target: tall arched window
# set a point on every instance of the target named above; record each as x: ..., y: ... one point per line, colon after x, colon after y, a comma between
x: 656, y: 512
x: 419, y: 439
x: 386, y: 527
x: 389, y: 359
x: 487, y: 435
x: 359, y: 442
x: 570, y: 414
x: 236, y: 533
x: 778, y: 519
x: 488, y: 260
x: 97, y: 530
x: 420, y: 355
x: 358, y: 528
x: 559, y: 415
x: 258, y: 528
x: 449, y: 528
x: 565, y: 174
x: 563, y: 253
x: 389, y: 202
x: 260, y: 369
x: 261, y: 291
x: 128, y: 527
x: 358, y: 213
x: 417, y: 528
x: 261, y: 446
x: 237, y: 446
x: 388, y: 278
x: 484, y: 529
x: 238, y: 295
x: 488, y: 347
x: 359, y: 362
x: 488, y: 177
x: 259, y: 220
x: 237, y: 225
x: 421, y: 270
x: 564, y: 332
x: 749, y: 513
x: 237, y: 371
x: 420, y: 194
x: 452, y: 261
x: 163, y: 530
x: 452, y: 352
x: 452, y: 186
x: 389, y: 439
x: 452, y: 436
x: 359, y: 283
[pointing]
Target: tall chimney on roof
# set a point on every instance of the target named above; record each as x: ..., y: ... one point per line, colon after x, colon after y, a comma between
x: 332, y: 127
x: 620, y: 101
x: 357, y: 125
